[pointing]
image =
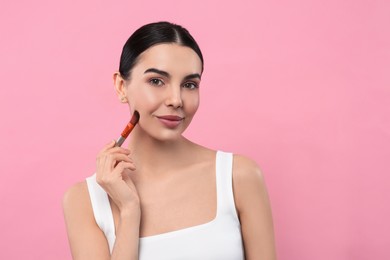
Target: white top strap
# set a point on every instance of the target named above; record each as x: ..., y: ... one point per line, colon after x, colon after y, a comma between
x: 102, y: 210
x: 224, y: 171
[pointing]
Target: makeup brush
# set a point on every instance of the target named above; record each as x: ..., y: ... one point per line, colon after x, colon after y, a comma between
x: 129, y: 127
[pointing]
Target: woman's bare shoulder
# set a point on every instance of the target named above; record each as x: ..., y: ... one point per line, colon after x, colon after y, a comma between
x: 248, y: 180
x: 246, y: 169
x: 76, y: 198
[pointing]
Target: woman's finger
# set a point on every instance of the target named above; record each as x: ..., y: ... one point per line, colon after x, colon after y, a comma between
x: 122, y: 166
x: 118, y: 150
x: 121, y: 159
x: 109, y: 145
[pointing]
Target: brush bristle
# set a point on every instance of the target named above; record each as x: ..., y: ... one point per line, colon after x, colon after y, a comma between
x: 135, y: 118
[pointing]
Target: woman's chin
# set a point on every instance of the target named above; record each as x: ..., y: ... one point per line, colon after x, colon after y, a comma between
x: 169, y: 136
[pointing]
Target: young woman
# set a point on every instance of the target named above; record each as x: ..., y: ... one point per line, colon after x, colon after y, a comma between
x: 165, y: 197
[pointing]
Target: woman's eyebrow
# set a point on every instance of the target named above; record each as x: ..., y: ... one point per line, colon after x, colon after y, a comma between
x: 167, y: 75
x: 161, y: 72
x: 192, y: 76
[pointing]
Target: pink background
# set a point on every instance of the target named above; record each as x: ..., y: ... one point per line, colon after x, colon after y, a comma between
x: 302, y: 87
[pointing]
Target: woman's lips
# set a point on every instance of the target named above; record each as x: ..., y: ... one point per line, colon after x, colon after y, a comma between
x: 170, y: 121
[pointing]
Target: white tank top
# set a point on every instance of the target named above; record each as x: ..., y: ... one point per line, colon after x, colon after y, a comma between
x: 215, y: 240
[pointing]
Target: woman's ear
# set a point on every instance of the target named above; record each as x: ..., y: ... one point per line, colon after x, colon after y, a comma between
x: 120, y: 88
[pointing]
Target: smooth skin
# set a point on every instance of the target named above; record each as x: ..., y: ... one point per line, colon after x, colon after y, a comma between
x: 149, y: 182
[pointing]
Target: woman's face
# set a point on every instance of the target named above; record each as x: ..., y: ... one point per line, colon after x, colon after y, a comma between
x: 163, y: 88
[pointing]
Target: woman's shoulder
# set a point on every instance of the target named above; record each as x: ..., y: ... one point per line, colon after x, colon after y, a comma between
x: 245, y: 167
x: 248, y: 179
x: 76, y: 198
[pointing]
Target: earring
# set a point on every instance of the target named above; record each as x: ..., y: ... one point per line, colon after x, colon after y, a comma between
x: 123, y: 99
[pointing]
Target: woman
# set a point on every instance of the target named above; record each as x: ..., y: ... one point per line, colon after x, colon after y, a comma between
x: 165, y: 197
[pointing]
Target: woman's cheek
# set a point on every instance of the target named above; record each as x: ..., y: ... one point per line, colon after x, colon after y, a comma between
x: 143, y: 101
x: 192, y: 103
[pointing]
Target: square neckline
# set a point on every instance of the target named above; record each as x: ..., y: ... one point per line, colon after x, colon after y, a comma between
x: 199, y: 226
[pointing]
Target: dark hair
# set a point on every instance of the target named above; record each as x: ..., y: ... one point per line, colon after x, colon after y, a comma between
x: 152, y: 34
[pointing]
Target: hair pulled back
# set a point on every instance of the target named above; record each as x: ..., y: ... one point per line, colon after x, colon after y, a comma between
x: 150, y: 35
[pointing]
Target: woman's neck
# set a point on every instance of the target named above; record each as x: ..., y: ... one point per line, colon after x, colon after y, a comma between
x: 158, y: 156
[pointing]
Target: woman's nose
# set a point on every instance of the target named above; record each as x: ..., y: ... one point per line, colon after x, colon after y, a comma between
x: 174, y: 98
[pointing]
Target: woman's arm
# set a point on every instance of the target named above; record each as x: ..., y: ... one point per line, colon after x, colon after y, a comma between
x: 254, y: 210
x: 86, y: 239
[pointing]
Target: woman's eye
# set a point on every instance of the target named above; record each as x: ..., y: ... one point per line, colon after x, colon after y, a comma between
x: 156, y: 82
x: 190, y: 85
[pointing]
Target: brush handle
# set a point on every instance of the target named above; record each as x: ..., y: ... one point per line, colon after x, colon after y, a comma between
x: 120, y: 141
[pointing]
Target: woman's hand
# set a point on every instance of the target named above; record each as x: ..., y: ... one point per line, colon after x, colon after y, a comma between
x: 113, y: 165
